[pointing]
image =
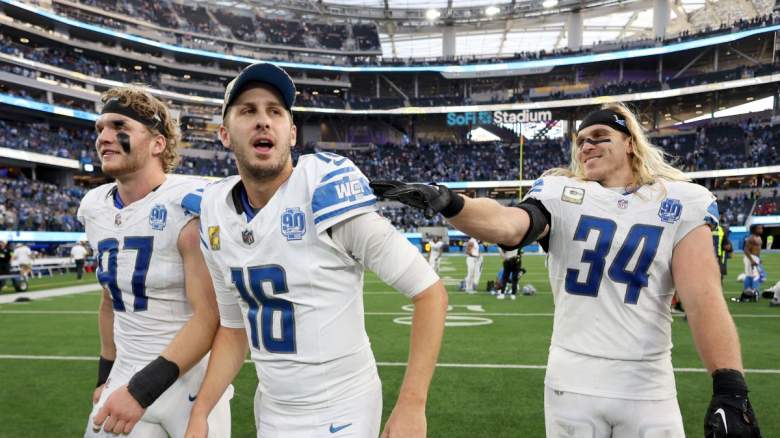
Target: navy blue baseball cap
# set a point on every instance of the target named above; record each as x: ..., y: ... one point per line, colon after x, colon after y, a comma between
x: 260, y: 72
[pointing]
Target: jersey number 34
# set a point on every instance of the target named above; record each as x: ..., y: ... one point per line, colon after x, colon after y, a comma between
x: 634, y: 279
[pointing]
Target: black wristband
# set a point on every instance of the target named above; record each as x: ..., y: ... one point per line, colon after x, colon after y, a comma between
x: 104, y: 369
x: 455, y: 205
x: 149, y: 383
x: 726, y: 381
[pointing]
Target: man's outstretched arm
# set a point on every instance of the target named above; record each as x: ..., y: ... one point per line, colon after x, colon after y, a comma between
x: 483, y: 218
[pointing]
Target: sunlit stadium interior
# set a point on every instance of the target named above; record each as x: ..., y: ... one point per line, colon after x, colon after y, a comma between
x: 482, y: 96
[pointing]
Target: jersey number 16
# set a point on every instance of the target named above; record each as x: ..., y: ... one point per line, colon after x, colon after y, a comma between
x: 269, y: 307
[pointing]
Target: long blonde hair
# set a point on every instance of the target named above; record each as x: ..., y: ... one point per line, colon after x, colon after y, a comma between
x: 648, y: 162
x: 149, y: 106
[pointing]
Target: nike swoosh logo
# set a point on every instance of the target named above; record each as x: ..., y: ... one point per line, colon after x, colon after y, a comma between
x: 722, y: 416
x: 334, y: 429
x: 192, y: 397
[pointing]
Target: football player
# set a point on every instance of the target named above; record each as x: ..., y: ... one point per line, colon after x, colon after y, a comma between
x: 287, y: 247
x: 434, y: 258
x: 754, y: 270
x: 623, y: 230
x: 158, y: 314
x: 473, y: 266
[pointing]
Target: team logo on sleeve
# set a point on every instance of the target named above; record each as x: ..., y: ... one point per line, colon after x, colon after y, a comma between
x: 158, y: 216
x: 537, y: 186
x: 214, y: 238
x: 575, y: 195
x: 293, y: 223
x: 670, y: 211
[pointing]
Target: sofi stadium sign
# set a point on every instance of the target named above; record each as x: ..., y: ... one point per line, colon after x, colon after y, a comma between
x: 497, y: 117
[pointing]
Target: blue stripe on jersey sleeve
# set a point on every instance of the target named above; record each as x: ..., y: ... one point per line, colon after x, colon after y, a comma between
x: 336, y: 172
x: 342, y: 191
x: 329, y: 157
x: 537, y: 186
x: 341, y: 211
x: 202, y: 235
x: 191, y: 203
x: 713, y: 210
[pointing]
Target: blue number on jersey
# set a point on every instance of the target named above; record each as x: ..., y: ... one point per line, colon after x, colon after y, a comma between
x: 276, y: 276
x: 595, y: 257
x: 636, y: 279
x: 108, y: 276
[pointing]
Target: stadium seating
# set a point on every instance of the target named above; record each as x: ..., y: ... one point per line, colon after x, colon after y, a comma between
x: 37, y: 206
x: 768, y: 206
x: 242, y: 27
x: 292, y: 33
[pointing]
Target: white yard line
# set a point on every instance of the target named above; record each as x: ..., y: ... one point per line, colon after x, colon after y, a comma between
x: 381, y: 364
x: 48, y: 293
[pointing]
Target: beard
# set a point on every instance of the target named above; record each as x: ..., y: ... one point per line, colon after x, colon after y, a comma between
x: 129, y: 164
x: 263, y: 171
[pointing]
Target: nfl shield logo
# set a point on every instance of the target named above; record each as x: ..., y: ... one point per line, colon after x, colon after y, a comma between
x: 118, y: 219
x: 157, y: 217
x: 670, y: 211
x: 248, y: 237
x: 622, y: 204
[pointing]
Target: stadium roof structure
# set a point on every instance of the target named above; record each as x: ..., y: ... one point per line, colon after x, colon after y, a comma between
x: 501, y: 28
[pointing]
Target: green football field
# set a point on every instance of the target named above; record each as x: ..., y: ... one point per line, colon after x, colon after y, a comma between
x: 489, y: 382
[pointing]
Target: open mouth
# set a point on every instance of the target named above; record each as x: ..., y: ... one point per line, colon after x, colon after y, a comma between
x: 591, y: 159
x: 263, y: 145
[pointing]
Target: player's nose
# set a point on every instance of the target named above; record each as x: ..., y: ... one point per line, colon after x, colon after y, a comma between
x: 262, y: 121
x: 104, y: 138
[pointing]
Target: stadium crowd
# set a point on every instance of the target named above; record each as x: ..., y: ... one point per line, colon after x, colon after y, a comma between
x: 212, y: 25
x: 37, y: 206
x: 45, y: 206
x: 712, y: 146
x: 221, y: 22
x: 593, y: 83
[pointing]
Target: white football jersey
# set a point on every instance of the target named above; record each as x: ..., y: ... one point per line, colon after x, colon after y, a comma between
x: 139, y: 262
x: 437, y: 247
x: 279, y: 276
x: 474, y: 251
x: 23, y: 255
x: 610, y: 256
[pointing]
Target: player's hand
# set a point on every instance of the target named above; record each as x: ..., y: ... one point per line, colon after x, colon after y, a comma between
x: 730, y: 413
x: 406, y: 421
x: 119, y: 414
x: 198, y: 427
x: 430, y: 198
x: 96, y: 393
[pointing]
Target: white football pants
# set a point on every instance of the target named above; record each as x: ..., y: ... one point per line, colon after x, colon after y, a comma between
x: 169, y: 414
x: 571, y: 415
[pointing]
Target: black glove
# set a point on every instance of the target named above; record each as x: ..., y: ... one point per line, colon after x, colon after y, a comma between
x: 730, y: 413
x: 430, y: 198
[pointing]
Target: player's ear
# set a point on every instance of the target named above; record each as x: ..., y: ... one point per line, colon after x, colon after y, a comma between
x: 224, y: 136
x: 158, y: 145
x: 293, y: 135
